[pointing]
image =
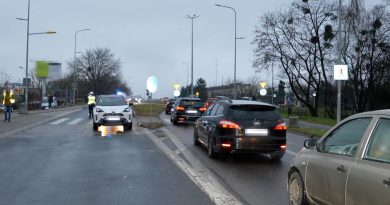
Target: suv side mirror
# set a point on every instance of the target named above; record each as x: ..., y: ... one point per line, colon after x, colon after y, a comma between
x: 310, y: 144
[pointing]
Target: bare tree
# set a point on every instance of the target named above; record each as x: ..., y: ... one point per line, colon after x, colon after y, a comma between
x: 299, y: 40
x: 98, y: 70
x: 366, y: 52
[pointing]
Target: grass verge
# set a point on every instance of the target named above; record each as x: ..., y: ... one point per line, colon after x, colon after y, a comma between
x: 152, y: 109
x: 317, y: 133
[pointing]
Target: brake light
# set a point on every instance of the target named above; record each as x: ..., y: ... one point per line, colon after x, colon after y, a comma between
x: 226, y: 145
x: 280, y: 126
x: 228, y: 124
x: 178, y: 108
x: 283, y: 146
x: 202, y: 109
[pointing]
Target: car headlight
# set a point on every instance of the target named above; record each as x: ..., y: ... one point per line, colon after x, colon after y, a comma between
x: 99, y: 110
x: 127, y: 110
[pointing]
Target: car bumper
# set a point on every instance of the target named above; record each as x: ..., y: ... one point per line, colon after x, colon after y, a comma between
x: 186, y: 118
x: 251, y: 144
x: 113, y: 120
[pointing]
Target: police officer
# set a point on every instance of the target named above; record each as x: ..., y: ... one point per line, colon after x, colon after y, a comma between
x: 8, y: 101
x: 91, y: 103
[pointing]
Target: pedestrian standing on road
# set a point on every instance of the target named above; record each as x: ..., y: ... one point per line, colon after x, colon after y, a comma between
x: 8, y: 101
x: 91, y: 103
x: 50, y: 100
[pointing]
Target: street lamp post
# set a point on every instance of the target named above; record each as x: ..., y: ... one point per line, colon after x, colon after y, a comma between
x: 192, y: 51
x: 186, y: 77
x: 235, y: 47
x: 27, y: 49
x: 339, y: 60
x: 74, y: 63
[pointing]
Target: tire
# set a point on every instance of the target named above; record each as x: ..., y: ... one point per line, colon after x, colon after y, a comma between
x: 210, y: 148
x: 174, y: 121
x: 95, y: 126
x: 129, y: 126
x: 296, y: 190
x: 196, y: 140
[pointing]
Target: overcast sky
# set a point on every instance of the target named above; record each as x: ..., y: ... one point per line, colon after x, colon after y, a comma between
x: 150, y: 37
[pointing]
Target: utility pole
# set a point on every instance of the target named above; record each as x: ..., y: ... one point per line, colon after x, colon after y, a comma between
x: 339, y: 61
x: 192, y: 51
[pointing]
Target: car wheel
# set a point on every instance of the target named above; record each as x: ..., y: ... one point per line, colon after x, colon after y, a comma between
x: 210, y: 148
x: 174, y: 121
x: 296, y: 190
x: 129, y: 126
x: 196, y: 140
x: 95, y: 126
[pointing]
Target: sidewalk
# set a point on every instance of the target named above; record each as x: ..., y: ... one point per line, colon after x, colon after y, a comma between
x: 20, y: 122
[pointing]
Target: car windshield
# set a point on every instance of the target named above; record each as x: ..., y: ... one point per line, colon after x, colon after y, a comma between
x: 111, y: 101
x: 250, y: 112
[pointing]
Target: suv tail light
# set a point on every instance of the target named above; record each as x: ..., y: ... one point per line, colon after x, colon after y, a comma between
x: 178, y: 108
x: 228, y: 124
x: 280, y: 126
x: 202, y: 109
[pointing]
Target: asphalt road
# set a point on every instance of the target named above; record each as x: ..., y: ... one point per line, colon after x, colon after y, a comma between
x: 65, y: 162
x: 254, y: 179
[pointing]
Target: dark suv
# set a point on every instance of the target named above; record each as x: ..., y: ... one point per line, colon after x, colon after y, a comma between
x: 169, y: 106
x: 234, y: 126
x: 187, y: 110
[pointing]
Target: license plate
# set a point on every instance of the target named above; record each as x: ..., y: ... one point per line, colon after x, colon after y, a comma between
x: 256, y: 132
x: 113, y: 118
x: 192, y: 111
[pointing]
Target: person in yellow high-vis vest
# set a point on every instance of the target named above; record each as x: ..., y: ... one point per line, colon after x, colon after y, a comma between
x: 8, y: 100
x: 91, y: 103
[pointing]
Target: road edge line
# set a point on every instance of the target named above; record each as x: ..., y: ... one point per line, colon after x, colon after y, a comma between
x: 199, y: 174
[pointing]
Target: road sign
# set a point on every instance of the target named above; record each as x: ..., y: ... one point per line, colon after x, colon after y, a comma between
x: 340, y: 72
x: 152, y: 83
x: 263, y: 92
x: 263, y: 84
x: 176, y: 86
x: 176, y: 93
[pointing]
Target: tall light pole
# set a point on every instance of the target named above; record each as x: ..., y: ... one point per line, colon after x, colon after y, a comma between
x: 27, y: 48
x: 235, y: 47
x: 74, y: 63
x: 339, y: 61
x: 186, y: 77
x: 192, y: 51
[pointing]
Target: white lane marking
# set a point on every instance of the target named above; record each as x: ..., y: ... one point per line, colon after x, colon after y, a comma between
x: 75, y: 121
x: 291, y: 152
x: 199, y: 173
x: 59, y: 121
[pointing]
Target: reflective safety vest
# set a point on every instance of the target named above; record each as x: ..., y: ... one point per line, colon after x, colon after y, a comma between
x: 91, y: 99
x: 8, y: 98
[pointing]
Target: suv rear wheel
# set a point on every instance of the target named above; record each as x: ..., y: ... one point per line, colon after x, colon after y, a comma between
x: 196, y: 141
x: 210, y: 148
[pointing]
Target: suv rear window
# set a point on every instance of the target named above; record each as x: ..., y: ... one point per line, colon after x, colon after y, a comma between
x: 198, y: 103
x: 111, y: 101
x: 250, y: 112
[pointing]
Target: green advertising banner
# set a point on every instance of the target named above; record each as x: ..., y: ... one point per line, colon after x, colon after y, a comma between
x: 42, y: 69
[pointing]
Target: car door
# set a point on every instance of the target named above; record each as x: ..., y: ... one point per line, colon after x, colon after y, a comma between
x: 327, y: 169
x: 205, y: 122
x: 369, y: 178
